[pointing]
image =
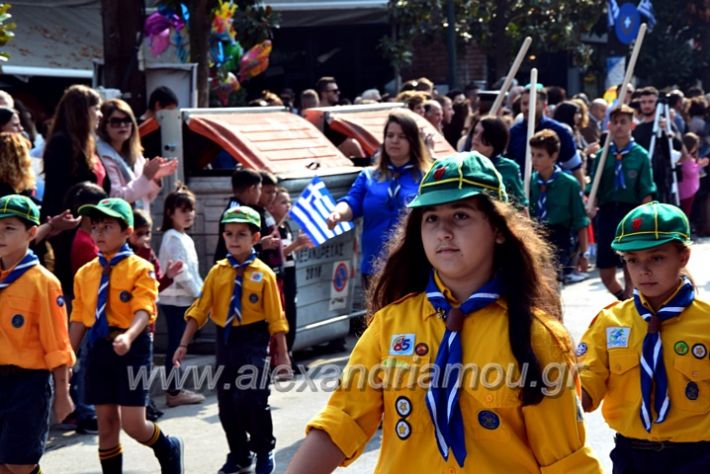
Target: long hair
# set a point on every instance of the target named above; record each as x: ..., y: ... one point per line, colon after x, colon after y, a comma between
x: 72, y: 119
x: 495, y: 134
x: 565, y: 112
x: 418, y: 152
x: 181, y: 198
x: 131, y: 148
x: 524, y: 262
x: 15, y: 162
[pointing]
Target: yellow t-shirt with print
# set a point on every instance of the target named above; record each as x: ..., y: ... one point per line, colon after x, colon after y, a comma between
x: 385, y: 379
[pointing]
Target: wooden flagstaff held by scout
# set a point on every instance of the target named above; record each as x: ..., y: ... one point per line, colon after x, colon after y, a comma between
x: 591, y: 203
x: 532, y: 105
x: 511, y: 74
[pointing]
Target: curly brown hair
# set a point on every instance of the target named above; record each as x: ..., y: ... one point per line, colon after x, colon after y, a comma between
x: 15, y: 162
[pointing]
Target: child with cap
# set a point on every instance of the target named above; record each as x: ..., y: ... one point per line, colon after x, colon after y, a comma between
x: 646, y: 358
x: 626, y: 182
x: 556, y: 202
x: 34, y: 341
x: 114, y: 300
x: 420, y: 365
x: 241, y: 297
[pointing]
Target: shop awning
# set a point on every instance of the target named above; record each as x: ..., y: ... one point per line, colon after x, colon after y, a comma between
x: 310, y: 13
x: 366, y: 123
x: 55, y: 38
x: 273, y: 140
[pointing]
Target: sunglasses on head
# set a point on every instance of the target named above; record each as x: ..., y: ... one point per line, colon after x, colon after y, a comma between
x: 117, y: 122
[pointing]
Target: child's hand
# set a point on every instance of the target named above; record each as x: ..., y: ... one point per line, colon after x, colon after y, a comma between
x: 270, y: 242
x: 582, y: 264
x: 303, y: 241
x: 122, y: 344
x: 333, y: 219
x: 62, y: 222
x: 282, y: 365
x: 179, y: 355
x: 63, y: 405
x: 703, y: 162
x: 173, y: 268
x: 592, y: 212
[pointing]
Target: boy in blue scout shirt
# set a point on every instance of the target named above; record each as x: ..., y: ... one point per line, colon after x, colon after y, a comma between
x: 34, y: 341
x: 556, y: 202
x: 114, y: 300
x: 241, y: 297
x: 626, y: 182
x: 647, y: 358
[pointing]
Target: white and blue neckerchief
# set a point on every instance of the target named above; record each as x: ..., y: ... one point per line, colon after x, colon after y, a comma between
x: 653, y: 370
x: 443, y: 401
x: 396, y: 173
x: 100, y: 327
x: 544, y: 184
x: 27, y: 262
x: 619, y: 180
x: 235, y: 304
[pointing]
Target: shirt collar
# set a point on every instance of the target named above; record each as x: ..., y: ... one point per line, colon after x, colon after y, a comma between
x: 452, y: 299
x: 648, y: 306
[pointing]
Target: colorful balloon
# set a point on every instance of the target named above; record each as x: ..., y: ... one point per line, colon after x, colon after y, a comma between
x: 255, y: 61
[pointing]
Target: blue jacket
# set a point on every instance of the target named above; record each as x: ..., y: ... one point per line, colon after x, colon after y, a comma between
x: 368, y: 197
x: 568, y: 159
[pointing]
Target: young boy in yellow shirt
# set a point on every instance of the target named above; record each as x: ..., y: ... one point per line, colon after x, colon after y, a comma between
x: 241, y: 297
x: 33, y: 341
x: 114, y: 300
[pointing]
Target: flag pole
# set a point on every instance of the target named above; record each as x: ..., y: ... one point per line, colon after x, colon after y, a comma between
x: 591, y: 203
x: 532, y: 105
x: 511, y: 74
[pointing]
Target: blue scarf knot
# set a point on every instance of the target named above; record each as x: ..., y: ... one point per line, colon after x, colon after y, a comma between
x: 542, y: 199
x: 235, y: 304
x: 100, y: 326
x: 395, y: 187
x: 619, y: 180
x: 443, y: 399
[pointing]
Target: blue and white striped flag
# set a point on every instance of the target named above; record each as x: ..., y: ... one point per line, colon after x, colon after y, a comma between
x: 645, y: 8
x: 312, y: 209
x: 612, y: 13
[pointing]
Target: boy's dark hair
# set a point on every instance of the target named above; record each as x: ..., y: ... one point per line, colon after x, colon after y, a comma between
x: 495, y: 134
x: 141, y: 219
x: 556, y: 94
x: 162, y: 95
x: 268, y: 179
x: 243, y: 178
x: 81, y: 194
x: 323, y: 82
x: 649, y: 90
x: 547, y: 140
x: 541, y: 94
x: 181, y: 198
x: 524, y: 262
x: 98, y: 216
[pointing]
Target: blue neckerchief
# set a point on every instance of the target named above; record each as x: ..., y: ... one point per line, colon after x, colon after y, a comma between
x: 235, y: 304
x: 27, y: 262
x: 653, y: 370
x: 443, y: 401
x: 542, y: 200
x: 395, y: 187
x: 100, y: 326
x: 619, y: 180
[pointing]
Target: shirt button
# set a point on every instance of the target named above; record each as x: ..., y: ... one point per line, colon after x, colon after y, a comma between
x: 489, y: 398
x: 695, y: 373
x: 618, y: 366
x: 452, y: 470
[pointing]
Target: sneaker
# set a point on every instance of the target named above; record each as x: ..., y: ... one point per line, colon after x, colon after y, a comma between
x: 265, y: 463
x: 173, y: 463
x: 183, y: 397
x: 152, y: 413
x: 575, y: 277
x: 88, y: 426
x: 234, y: 467
x: 71, y: 422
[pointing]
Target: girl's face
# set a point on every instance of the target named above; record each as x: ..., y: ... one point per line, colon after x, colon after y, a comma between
x: 396, y: 144
x: 119, y: 127
x: 479, y: 144
x: 280, y: 207
x: 94, y: 116
x: 13, y: 126
x: 183, y: 218
x: 459, y: 243
x: 140, y: 238
x: 656, y: 272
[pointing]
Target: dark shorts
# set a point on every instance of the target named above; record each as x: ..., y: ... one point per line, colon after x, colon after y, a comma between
x: 25, y: 403
x: 608, y: 219
x: 119, y: 380
x: 561, y: 239
x: 641, y: 457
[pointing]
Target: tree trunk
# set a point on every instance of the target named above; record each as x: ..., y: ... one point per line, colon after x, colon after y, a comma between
x: 199, y: 46
x: 122, y: 24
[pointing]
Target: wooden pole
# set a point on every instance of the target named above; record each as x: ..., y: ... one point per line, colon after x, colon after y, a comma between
x: 511, y: 74
x: 591, y: 203
x: 532, y: 119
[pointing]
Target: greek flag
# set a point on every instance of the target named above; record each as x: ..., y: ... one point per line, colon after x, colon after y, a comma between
x: 312, y: 209
x: 645, y: 8
x: 612, y: 13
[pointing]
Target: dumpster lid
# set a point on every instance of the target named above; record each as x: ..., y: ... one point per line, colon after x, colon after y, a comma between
x: 270, y: 138
x: 365, y: 123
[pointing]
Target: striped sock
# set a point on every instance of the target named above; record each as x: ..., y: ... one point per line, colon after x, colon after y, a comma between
x: 158, y: 441
x: 111, y: 460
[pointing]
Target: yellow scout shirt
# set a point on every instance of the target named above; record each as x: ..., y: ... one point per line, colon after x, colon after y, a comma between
x: 260, y: 297
x: 609, y: 358
x: 33, y: 322
x: 133, y: 287
x: 501, y: 436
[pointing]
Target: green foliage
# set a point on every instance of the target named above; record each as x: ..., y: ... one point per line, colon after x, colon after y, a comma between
x: 6, y: 27
x: 677, y: 51
x: 254, y: 22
